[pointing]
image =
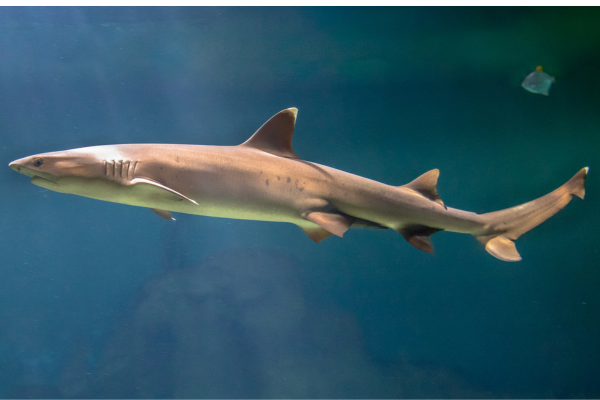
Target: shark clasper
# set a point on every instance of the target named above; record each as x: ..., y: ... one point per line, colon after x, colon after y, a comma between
x: 263, y: 179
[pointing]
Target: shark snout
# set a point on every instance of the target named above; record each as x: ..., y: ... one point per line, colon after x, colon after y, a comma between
x: 23, y: 166
x: 20, y: 165
x: 15, y: 165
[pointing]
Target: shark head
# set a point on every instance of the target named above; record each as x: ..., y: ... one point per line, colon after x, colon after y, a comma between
x: 63, y: 171
x: 100, y: 172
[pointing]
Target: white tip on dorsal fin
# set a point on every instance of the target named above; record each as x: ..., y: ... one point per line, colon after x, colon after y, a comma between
x: 426, y: 186
x: 275, y: 136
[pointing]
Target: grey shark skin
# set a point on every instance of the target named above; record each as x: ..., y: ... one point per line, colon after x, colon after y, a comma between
x: 263, y: 179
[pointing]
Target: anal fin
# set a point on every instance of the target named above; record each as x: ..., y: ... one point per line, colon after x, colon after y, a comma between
x: 418, y: 236
x: 163, y: 213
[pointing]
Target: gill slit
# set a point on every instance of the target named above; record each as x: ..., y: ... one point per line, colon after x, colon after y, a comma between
x: 125, y: 170
x: 135, y: 163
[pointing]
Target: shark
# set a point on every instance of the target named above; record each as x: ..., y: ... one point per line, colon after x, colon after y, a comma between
x: 263, y: 179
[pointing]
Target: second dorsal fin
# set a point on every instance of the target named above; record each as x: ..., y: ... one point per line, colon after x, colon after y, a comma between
x: 426, y: 186
x: 275, y: 136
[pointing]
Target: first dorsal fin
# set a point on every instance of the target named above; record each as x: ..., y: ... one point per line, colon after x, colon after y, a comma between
x: 275, y: 136
x: 426, y: 185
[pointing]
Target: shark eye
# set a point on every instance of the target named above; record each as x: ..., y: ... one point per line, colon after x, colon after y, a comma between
x: 38, y: 162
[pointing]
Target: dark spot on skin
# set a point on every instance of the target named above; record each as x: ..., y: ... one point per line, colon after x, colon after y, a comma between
x: 278, y: 178
x: 289, y: 180
x: 177, y: 159
x: 261, y: 172
x: 267, y: 182
x: 297, y: 184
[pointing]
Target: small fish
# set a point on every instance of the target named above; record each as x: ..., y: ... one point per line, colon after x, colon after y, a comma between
x: 538, y: 82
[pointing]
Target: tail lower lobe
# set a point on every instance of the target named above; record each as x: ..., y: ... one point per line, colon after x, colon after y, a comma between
x: 503, y: 227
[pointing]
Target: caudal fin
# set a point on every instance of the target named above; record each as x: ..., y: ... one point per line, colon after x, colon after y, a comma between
x: 503, y: 227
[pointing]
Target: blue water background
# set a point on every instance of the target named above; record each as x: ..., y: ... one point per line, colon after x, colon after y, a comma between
x: 106, y: 300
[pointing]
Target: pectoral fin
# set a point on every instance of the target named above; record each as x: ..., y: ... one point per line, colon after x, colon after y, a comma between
x: 175, y: 195
x: 330, y: 221
x: 163, y: 213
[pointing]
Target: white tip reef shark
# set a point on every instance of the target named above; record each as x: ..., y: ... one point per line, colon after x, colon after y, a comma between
x: 263, y: 179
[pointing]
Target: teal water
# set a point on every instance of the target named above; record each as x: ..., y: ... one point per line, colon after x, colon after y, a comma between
x: 101, y: 300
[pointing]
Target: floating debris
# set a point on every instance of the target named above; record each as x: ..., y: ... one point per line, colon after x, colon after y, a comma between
x: 538, y: 82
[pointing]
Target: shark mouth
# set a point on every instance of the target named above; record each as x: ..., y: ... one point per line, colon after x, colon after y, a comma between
x: 41, y: 181
x: 36, y: 178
